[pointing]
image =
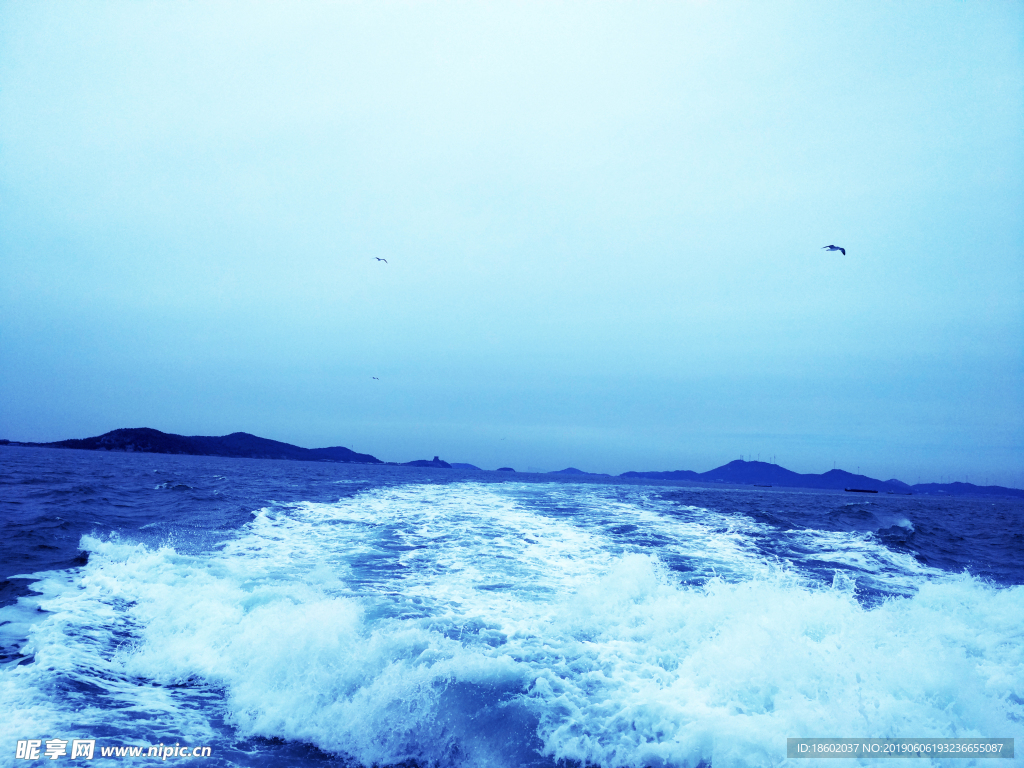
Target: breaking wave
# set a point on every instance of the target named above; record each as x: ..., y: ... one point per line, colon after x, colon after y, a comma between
x: 473, y: 625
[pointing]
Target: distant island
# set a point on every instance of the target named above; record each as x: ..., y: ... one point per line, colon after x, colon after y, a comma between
x: 236, y: 445
x: 755, y: 473
x: 574, y: 471
x: 763, y: 474
x: 435, y: 462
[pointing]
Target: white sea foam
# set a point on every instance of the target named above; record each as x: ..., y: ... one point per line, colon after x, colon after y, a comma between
x: 472, y: 625
x: 663, y: 675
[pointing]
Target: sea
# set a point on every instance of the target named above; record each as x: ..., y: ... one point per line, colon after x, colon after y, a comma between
x: 285, y: 613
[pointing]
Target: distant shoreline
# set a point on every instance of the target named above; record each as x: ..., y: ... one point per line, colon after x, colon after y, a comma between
x: 739, y: 473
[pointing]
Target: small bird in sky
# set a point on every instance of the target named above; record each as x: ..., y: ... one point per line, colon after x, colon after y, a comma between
x: 375, y: 378
x: 834, y: 248
x: 378, y: 258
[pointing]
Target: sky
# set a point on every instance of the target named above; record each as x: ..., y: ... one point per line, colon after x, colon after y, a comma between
x: 603, y: 225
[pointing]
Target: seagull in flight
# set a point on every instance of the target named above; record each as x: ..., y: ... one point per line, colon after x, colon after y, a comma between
x: 834, y: 248
x: 378, y: 258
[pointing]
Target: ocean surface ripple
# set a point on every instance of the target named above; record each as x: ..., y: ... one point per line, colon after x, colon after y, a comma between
x: 291, y: 613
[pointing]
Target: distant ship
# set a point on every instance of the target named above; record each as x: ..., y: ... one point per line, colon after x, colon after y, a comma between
x: 858, y: 490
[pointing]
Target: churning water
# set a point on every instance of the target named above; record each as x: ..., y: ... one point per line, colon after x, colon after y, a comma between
x: 287, y: 613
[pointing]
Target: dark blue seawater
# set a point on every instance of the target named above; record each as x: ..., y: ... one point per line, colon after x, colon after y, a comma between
x: 289, y: 613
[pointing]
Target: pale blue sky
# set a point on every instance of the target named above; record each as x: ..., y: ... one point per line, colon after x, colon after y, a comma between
x: 603, y: 225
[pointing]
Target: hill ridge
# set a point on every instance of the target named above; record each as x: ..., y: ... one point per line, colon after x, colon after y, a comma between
x: 235, y: 445
x: 762, y: 473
